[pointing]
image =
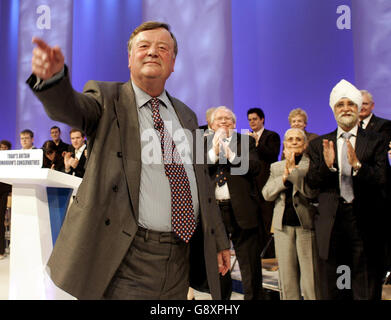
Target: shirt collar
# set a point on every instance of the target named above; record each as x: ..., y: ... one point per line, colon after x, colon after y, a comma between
x: 259, y: 133
x: 353, y: 131
x: 367, y: 119
x: 81, y: 149
x: 142, y: 98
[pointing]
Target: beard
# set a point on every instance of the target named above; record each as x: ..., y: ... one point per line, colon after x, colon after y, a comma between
x: 347, y: 120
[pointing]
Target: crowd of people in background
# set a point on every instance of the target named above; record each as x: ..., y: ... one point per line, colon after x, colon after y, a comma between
x: 317, y: 228
x: 284, y: 205
x: 57, y: 154
x: 150, y: 231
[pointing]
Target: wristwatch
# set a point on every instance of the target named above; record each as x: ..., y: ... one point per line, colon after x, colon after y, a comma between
x: 357, y: 166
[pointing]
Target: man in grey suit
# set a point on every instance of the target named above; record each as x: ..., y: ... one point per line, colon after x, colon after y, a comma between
x: 123, y: 237
x: 348, y: 167
x: 293, y: 225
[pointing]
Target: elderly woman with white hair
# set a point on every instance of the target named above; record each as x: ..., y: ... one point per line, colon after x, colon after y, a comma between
x: 293, y: 219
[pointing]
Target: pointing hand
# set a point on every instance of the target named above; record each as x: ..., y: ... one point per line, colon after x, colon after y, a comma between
x: 46, y: 61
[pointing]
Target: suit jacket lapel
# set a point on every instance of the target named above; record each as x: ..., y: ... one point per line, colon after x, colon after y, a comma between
x: 127, y: 121
x: 361, y: 143
x: 373, y: 124
x: 183, y: 115
x: 234, y: 144
x: 263, y: 137
x: 278, y: 171
x: 303, y: 163
x: 333, y: 137
x: 187, y: 122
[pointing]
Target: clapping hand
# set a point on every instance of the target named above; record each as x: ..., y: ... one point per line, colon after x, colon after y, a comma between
x: 328, y: 152
x: 70, y: 162
x: 221, y: 144
x: 290, y: 164
x: 218, y: 140
x: 255, y: 136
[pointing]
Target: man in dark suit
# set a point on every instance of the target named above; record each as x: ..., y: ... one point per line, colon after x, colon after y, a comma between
x: 268, y: 145
x: 123, y: 237
x: 55, y: 134
x: 348, y: 168
x: 75, y: 159
x: 369, y: 121
x: 233, y: 165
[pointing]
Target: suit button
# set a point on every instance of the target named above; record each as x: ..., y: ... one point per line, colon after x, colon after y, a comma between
x: 212, y: 231
x: 119, y: 154
x: 209, y: 200
x: 107, y: 222
x: 115, y: 188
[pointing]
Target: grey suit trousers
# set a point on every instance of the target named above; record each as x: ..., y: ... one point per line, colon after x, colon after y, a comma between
x: 156, y: 267
x: 297, y: 262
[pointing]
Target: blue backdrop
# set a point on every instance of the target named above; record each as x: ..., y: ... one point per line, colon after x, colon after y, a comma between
x: 276, y: 54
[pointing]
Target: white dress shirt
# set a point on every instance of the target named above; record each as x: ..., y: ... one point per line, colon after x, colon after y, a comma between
x: 340, y: 142
x: 79, y: 152
x: 259, y: 133
x: 221, y: 193
x: 366, y: 121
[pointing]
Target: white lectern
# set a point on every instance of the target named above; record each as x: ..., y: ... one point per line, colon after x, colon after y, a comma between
x: 40, y: 199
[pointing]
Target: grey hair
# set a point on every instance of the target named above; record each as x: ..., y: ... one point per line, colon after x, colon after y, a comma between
x: 209, y: 113
x: 298, y: 112
x: 368, y: 94
x: 212, y: 119
x: 296, y: 129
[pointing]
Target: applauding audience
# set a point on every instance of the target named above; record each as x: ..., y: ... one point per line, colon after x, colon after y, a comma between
x: 55, y: 133
x: 293, y: 219
x: 267, y: 147
x: 52, y: 158
x: 348, y: 166
x: 76, y: 159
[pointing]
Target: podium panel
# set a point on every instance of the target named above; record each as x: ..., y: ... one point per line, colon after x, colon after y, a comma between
x: 40, y: 199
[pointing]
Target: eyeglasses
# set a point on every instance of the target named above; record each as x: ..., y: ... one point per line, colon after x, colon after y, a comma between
x: 224, y: 118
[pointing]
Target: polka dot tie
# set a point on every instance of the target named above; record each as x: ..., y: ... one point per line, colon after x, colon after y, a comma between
x: 220, y: 177
x: 182, y: 212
